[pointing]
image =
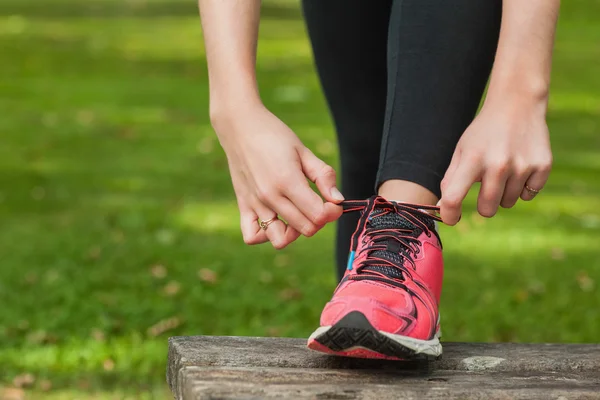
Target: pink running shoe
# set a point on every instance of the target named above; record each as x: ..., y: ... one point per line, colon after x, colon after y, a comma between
x: 386, y: 306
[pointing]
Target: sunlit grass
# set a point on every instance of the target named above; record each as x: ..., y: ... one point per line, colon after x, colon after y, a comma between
x: 210, y: 217
x: 579, y: 102
x: 120, y: 228
x: 159, y: 392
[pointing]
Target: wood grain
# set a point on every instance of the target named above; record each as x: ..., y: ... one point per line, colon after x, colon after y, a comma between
x: 255, y: 368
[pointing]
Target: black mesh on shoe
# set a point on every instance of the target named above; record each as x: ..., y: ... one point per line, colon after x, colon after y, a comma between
x: 390, y: 220
x: 380, y: 219
x: 393, y: 230
x: 386, y: 270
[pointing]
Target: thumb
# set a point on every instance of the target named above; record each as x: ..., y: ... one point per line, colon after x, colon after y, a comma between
x: 322, y: 174
x: 450, y: 171
x: 456, y: 189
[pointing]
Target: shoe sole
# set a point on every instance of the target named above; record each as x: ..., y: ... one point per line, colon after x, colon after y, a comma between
x: 354, y: 336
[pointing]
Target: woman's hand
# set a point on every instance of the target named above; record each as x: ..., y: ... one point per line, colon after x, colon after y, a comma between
x: 269, y: 169
x: 268, y: 163
x: 506, y: 148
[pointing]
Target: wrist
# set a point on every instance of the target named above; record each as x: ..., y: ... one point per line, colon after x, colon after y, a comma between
x: 521, y: 93
x: 224, y: 107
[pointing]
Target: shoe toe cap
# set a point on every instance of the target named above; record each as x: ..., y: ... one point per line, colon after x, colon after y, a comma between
x: 379, y: 315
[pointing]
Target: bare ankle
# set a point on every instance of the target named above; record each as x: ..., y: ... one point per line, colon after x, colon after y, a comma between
x: 406, y: 191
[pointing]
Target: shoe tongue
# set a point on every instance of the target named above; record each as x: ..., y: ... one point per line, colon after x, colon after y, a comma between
x: 379, y: 219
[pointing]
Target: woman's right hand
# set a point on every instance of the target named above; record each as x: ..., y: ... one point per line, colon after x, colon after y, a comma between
x: 269, y: 169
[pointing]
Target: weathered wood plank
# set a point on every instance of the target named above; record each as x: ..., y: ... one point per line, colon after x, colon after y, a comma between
x: 269, y: 383
x: 240, y: 367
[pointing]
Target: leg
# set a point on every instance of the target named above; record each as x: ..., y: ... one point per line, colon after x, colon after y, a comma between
x: 440, y: 54
x: 439, y: 57
x: 349, y: 43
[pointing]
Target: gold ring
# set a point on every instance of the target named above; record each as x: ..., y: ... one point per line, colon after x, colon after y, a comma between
x: 532, y: 191
x: 265, y: 224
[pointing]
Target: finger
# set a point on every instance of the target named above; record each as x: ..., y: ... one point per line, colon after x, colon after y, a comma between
x: 451, y: 169
x: 276, y: 202
x: 466, y: 173
x: 278, y: 232
x: 490, y: 194
x: 536, y: 181
x: 321, y: 174
x: 251, y: 230
x: 293, y: 216
x: 514, y: 187
x: 333, y: 212
x: 311, y: 205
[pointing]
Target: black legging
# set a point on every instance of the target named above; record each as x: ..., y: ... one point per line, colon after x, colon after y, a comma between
x: 403, y: 80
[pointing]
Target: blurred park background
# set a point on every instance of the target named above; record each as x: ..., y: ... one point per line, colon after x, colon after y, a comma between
x: 119, y: 228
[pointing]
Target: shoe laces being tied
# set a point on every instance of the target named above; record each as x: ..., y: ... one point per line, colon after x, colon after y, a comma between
x: 391, y: 237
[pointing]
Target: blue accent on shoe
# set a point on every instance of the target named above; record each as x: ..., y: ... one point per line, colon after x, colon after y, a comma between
x: 350, y: 261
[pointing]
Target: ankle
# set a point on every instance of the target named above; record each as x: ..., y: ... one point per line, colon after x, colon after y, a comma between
x: 407, y: 192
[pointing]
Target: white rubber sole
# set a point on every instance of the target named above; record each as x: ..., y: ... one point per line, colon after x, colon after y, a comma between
x: 431, y: 348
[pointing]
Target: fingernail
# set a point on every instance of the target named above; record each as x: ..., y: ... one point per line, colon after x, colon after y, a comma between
x: 438, y: 203
x: 336, y: 194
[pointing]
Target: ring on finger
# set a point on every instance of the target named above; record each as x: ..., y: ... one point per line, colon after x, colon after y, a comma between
x: 265, y: 224
x: 532, y: 191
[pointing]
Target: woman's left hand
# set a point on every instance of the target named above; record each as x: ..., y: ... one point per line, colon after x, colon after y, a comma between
x: 507, y: 149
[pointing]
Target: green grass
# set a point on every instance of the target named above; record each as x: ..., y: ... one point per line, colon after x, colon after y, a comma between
x: 117, y: 212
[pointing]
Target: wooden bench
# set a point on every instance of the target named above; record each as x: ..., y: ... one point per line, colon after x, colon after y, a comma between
x: 203, y: 367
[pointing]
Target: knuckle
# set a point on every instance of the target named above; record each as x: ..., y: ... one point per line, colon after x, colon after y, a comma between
x: 278, y: 244
x: 521, y: 167
x: 451, y: 221
x: 508, y: 203
x: 526, y: 196
x: 319, y: 218
x: 327, y: 170
x: 522, y: 170
x: 474, y: 158
x: 265, y: 194
x: 487, y: 212
x: 500, y: 166
x: 545, y: 165
x: 451, y: 201
x: 281, y: 184
x: 309, y: 230
x: 248, y: 237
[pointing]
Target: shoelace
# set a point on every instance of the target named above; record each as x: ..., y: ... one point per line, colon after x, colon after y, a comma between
x: 390, y: 247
